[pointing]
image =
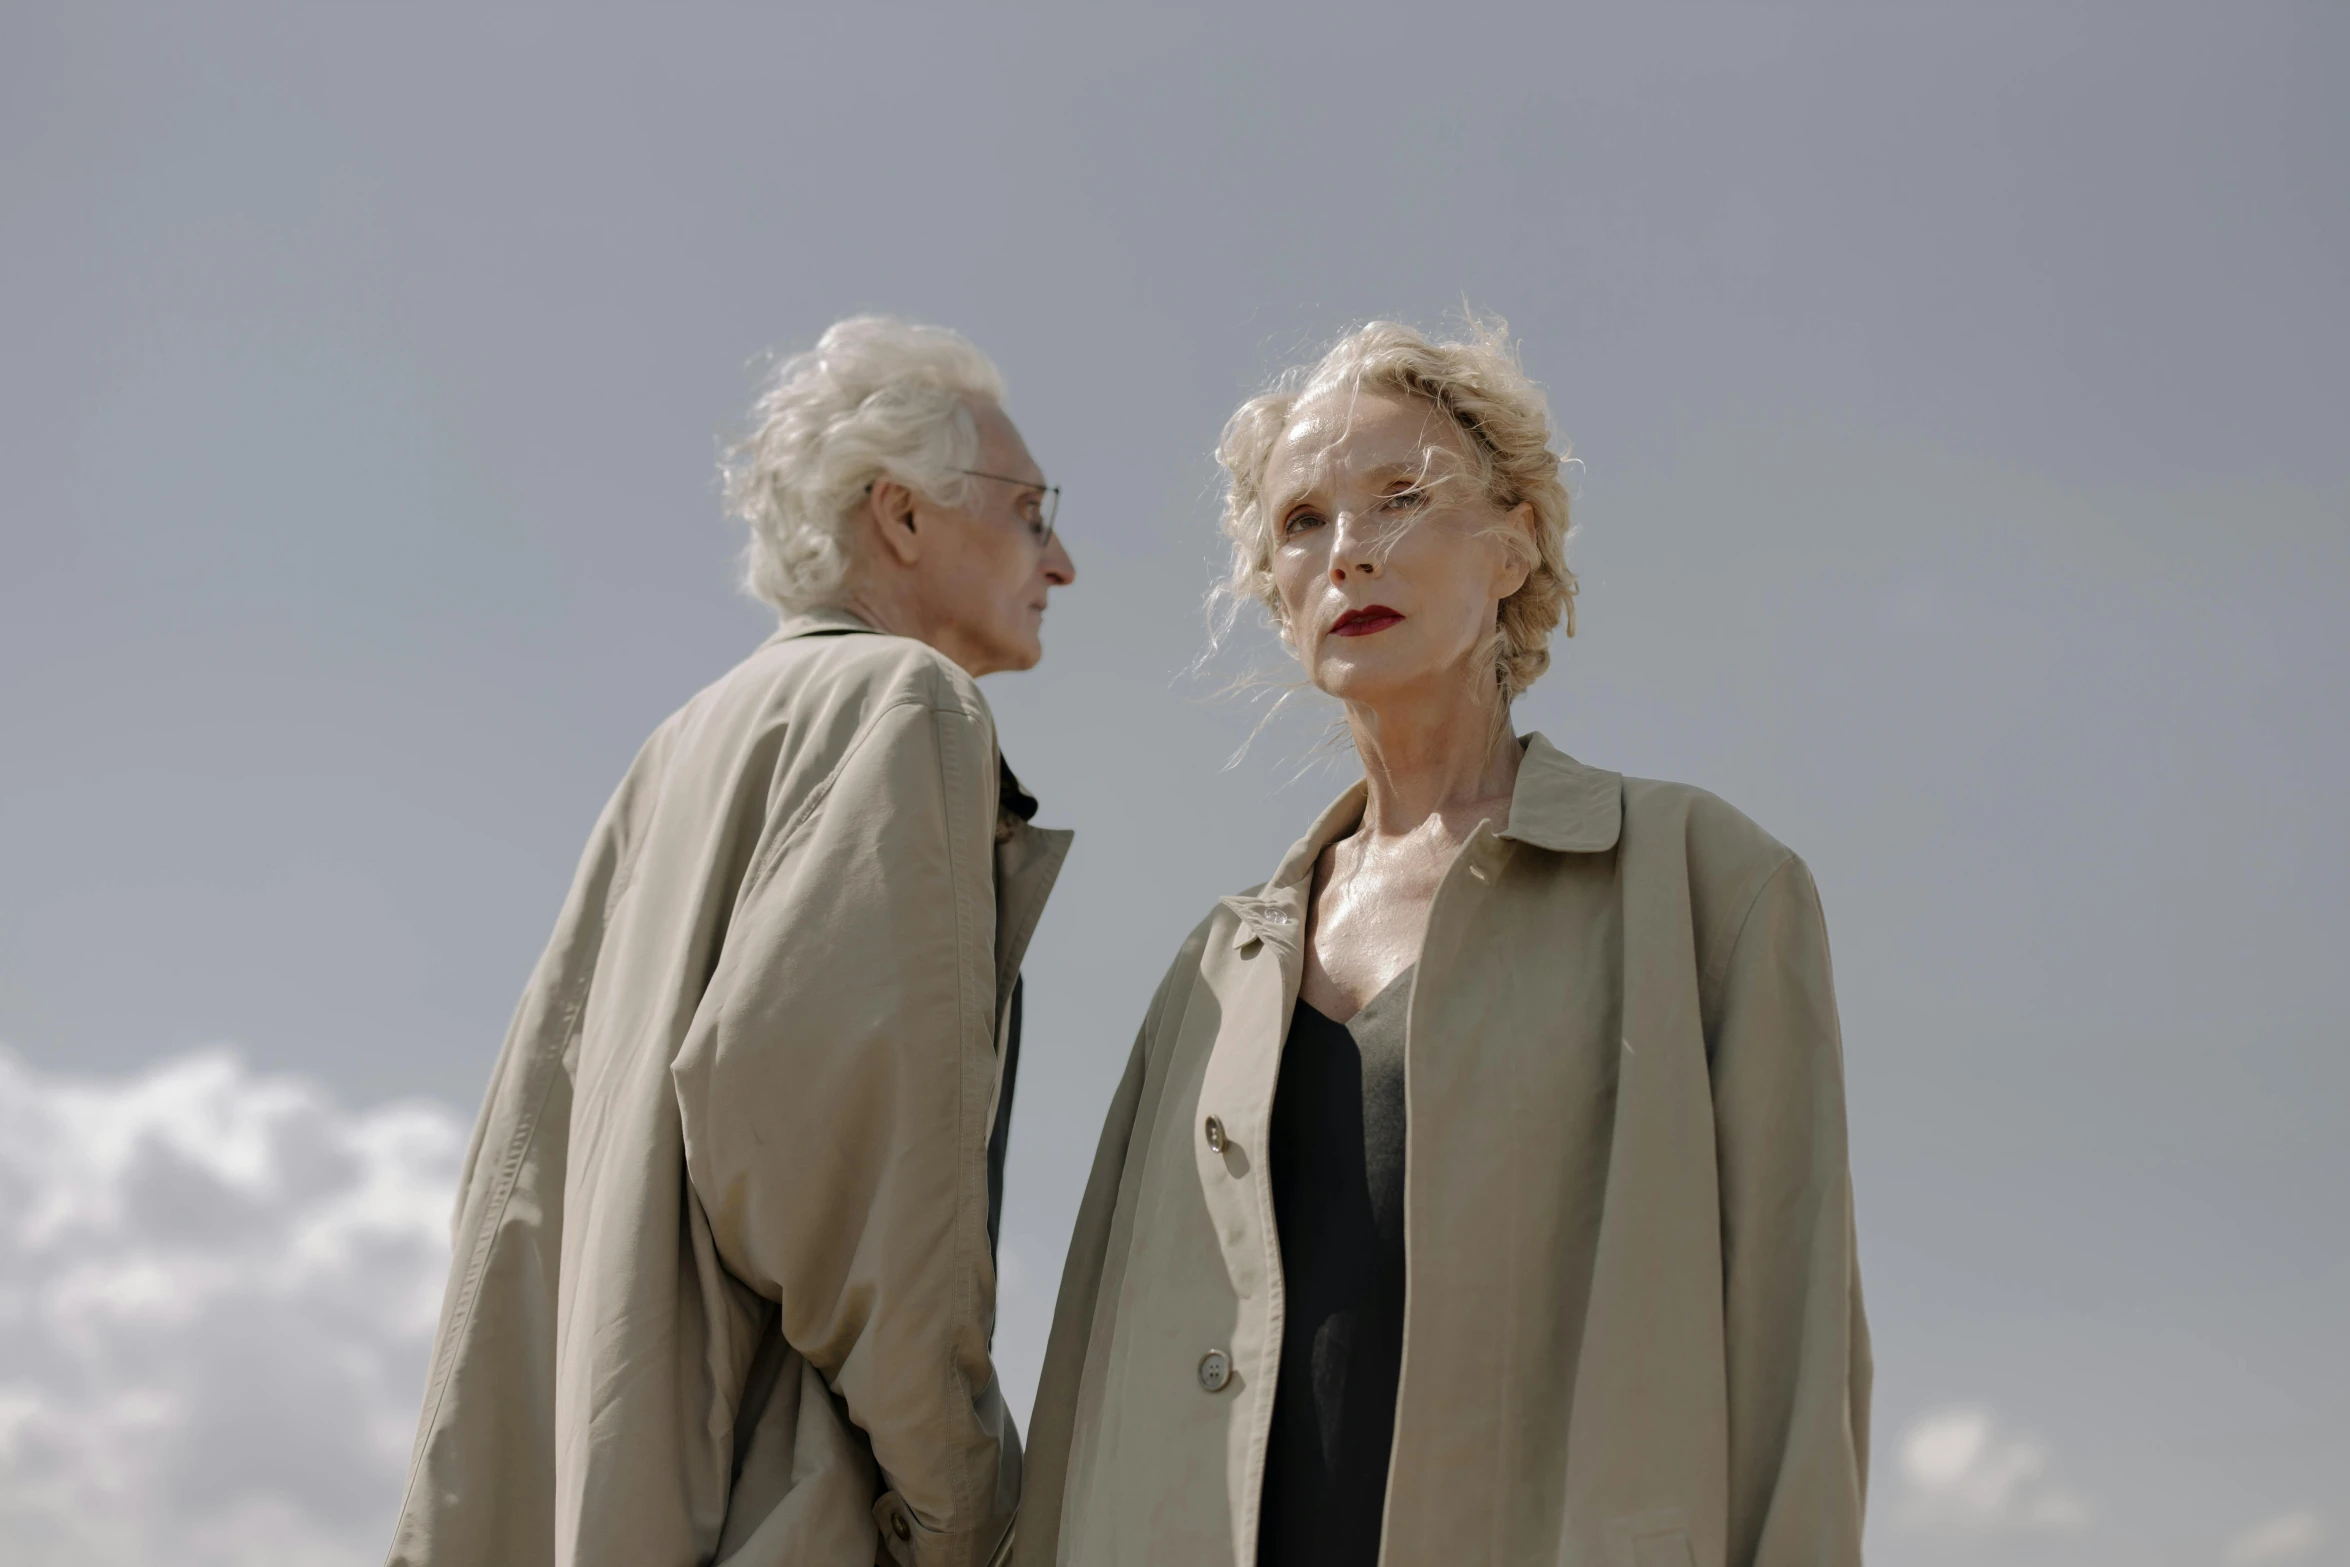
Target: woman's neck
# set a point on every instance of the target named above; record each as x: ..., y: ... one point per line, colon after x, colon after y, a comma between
x: 1434, y: 759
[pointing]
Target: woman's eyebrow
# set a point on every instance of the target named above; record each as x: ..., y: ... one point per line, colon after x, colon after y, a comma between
x: 1279, y: 502
x: 1412, y: 473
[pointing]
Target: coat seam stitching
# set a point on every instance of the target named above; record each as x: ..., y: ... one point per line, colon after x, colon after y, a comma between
x: 508, y: 1176
x: 764, y: 866
x: 950, y: 759
x: 1714, y: 970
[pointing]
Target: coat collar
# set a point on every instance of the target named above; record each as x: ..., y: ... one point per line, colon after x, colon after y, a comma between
x: 1557, y: 804
x: 817, y: 623
x: 1561, y: 805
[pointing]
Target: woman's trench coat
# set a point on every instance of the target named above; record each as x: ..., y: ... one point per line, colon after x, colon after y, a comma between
x: 1633, y: 1323
x: 723, y: 1284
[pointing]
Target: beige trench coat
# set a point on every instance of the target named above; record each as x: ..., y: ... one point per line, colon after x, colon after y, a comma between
x: 723, y: 1288
x: 1633, y: 1323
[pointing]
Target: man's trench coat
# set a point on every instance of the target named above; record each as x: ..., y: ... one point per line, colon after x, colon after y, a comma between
x: 723, y: 1284
x: 1633, y: 1322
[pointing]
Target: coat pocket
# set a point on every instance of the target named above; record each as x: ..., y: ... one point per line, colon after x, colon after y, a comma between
x: 1658, y: 1539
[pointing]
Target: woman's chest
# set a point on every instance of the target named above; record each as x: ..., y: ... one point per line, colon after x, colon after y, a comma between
x: 1365, y: 925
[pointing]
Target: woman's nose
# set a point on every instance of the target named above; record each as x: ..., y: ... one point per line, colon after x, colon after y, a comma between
x: 1352, y: 548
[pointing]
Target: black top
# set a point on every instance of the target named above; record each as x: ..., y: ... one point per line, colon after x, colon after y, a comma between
x: 999, y: 1137
x: 1012, y: 800
x: 1337, y: 1165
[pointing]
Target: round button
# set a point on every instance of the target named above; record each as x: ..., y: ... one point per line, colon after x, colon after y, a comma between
x: 1277, y: 916
x: 1216, y: 1138
x: 1215, y: 1369
x: 899, y: 1526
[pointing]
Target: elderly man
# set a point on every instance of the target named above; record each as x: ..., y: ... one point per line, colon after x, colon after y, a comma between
x: 724, y: 1278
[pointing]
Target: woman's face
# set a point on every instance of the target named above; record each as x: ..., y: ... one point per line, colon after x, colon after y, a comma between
x: 1390, y: 562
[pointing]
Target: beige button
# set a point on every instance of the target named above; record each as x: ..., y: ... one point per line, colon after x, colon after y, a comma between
x: 899, y: 1526
x: 1215, y: 1369
x: 1216, y: 1137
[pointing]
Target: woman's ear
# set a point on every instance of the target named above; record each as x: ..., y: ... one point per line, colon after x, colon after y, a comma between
x: 1518, y: 553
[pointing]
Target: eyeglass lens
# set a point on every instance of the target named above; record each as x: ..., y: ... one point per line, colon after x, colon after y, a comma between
x: 1039, y: 505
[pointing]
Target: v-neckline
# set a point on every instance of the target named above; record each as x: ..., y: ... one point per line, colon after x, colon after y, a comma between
x: 1401, y: 975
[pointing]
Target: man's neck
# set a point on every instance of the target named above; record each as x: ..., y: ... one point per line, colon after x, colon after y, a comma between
x: 884, y: 610
x: 891, y: 605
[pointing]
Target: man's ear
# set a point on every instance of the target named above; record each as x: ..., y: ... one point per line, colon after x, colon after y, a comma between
x: 889, y: 508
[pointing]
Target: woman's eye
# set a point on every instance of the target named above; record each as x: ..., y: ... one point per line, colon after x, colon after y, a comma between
x: 1405, y: 500
x: 1300, y: 521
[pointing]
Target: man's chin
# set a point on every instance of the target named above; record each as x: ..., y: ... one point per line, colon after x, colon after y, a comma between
x: 1012, y: 656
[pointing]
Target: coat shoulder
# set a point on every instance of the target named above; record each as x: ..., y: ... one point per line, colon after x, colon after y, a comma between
x: 770, y: 735
x: 1726, y: 858
x: 801, y: 702
x: 868, y: 670
x: 1171, y: 1000
x: 1218, y: 920
x: 1715, y: 832
x: 1215, y: 928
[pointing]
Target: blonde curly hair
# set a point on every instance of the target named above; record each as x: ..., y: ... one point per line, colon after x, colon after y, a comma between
x: 1479, y: 384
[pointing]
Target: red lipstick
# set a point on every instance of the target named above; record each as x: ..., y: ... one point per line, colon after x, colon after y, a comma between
x: 1368, y: 620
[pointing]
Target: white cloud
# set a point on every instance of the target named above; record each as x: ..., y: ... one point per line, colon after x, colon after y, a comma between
x: 2286, y: 1538
x: 217, y: 1292
x: 1959, y: 1470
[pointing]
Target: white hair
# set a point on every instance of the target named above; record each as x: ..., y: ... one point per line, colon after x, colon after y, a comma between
x: 875, y: 398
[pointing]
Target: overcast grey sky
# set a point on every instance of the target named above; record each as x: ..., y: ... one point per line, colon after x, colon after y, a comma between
x: 1962, y: 394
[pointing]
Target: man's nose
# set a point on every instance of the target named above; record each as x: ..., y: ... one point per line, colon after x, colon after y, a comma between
x: 1059, y: 569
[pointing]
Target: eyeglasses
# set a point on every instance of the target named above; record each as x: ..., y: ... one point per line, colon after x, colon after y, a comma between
x: 1038, y: 508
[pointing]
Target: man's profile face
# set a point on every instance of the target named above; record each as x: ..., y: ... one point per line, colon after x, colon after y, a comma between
x: 988, y: 576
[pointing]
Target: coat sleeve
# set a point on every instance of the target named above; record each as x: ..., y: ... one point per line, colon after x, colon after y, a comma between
x: 1797, y: 1343
x: 1053, y: 1422
x: 835, y: 1091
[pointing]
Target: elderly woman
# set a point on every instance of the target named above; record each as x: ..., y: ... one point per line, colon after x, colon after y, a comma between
x: 1477, y: 1189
